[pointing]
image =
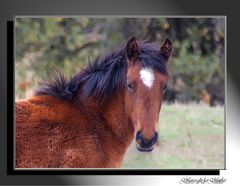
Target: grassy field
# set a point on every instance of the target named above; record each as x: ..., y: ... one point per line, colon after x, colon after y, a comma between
x: 190, y: 136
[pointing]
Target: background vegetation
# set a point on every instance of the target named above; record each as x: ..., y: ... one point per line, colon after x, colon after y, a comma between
x: 67, y: 44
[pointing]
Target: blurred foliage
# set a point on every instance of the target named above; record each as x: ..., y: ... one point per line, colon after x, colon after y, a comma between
x: 67, y: 44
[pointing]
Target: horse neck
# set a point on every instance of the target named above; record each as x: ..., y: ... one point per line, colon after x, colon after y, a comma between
x: 116, y: 117
x: 119, y: 125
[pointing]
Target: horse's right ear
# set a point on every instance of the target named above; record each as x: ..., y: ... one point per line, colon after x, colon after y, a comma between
x: 132, y: 49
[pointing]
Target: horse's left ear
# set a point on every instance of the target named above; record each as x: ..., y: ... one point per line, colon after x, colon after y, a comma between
x: 132, y: 49
x: 166, y: 48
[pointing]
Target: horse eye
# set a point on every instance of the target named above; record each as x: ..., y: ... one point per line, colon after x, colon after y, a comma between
x: 130, y: 86
x: 165, y: 88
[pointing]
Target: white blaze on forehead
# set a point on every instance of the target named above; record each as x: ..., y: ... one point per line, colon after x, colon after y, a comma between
x: 147, y: 77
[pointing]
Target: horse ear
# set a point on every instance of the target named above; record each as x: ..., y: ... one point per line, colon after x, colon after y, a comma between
x: 132, y: 49
x: 166, y: 48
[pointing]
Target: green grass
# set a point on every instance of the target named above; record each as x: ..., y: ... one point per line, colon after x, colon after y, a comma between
x: 190, y: 136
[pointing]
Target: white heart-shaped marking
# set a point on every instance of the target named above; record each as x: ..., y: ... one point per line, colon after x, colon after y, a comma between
x: 147, y: 77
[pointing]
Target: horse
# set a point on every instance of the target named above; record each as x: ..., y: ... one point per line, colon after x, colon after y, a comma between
x: 89, y: 120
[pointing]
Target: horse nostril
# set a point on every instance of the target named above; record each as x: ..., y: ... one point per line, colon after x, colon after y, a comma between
x: 155, y: 137
x: 138, y: 137
x: 144, y: 142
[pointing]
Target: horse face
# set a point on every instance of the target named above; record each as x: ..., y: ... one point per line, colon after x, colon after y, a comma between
x: 144, y: 94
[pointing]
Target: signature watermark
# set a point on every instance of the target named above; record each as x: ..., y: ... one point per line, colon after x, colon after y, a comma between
x: 202, y: 180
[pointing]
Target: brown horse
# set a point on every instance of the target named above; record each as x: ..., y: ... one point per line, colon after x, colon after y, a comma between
x: 91, y: 119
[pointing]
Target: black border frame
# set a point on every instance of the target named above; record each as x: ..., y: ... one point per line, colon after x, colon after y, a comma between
x: 10, y: 137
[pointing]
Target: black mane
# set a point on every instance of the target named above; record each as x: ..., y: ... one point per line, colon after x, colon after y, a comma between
x: 104, y: 76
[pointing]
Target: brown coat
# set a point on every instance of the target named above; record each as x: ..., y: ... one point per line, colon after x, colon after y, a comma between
x: 55, y: 133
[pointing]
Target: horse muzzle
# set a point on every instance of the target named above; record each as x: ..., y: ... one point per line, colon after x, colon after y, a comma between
x: 146, y: 145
